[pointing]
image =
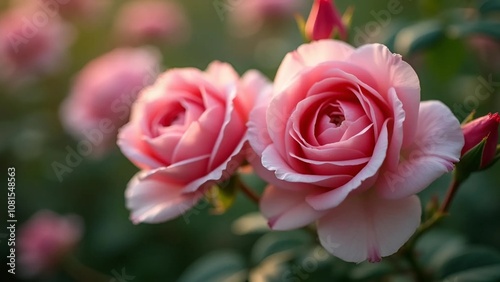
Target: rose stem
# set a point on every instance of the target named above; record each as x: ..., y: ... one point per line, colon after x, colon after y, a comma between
x: 452, y: 190
x: 248, y: 192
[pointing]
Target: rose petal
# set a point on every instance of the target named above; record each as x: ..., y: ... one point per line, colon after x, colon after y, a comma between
x: 334, y: 197
x: 272, y: 161
x: 365, y: 227
x: 222, y: 75
x: 389, y: 70
x: 439, y: 140
x: 309, y: 55
x: 133, y: 147
x: 152, y: 199
x: 231, y: 133
x: 257, y: 133
x: 206, y: 128
x: 286, y: 210
x: 270, y: 177
x: 221, y: 172
x: 396, y: 131
x: 254, y: 89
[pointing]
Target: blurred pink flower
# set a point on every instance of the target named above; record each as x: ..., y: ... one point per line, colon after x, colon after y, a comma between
x: 74, y: 9
x: 485, y: 48
x: 103, y: 92
x: 152, y: 21
x: 346, y: 143
x: 45, y: 240
x: 32, y: 43
x: 248, y: 17
x: 186, y: 132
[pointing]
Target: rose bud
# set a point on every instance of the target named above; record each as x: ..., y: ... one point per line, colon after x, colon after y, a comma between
x: 323, y: 20
x: 485, y: 127
x: 45, y: 240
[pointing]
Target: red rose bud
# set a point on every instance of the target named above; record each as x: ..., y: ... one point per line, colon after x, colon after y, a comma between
x: 479, y: 129
x: 323, y: 20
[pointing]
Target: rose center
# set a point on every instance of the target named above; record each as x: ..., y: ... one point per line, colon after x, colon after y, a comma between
x: 337, y: 119
x: 175, y: 118
x: 334, y: 114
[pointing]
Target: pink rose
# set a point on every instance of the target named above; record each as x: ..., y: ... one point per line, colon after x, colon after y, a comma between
x: 31, y: 43
x: 103, y: 92
x: 345, y: 142
x: 45, y: 240
x: 186, y: 133
x: 152, y: 21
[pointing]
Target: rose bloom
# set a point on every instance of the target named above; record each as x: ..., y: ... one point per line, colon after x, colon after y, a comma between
x: 152, y: 21
x: 103, y: 92
x: 44, y: 241
x: 248, y: 17
x: 345, y: 142
x: 186, y: 133
x: 32, y: 43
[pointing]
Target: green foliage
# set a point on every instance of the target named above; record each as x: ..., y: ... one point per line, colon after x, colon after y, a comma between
x: 220, y: 266
x: 469, y: 262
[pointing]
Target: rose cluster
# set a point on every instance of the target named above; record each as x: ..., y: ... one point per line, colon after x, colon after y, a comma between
x: 341, y: 136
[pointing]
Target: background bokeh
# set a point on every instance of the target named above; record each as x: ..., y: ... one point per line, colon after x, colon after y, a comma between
x: 453, y: 45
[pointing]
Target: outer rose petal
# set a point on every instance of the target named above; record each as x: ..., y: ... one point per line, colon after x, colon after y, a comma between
x: 153, y: 200
x: 222, y: 75
x: 286, y: 210
x: 309, y: 55
x: 257, y: 133
x: 254, y: 90
x: 134, y: 148
x: 367, y: 227
x: 439, y: 140
x: 389, y: 70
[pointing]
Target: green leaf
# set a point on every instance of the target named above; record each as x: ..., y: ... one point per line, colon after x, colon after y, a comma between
x: 277, y: 242
x: 225, y: 266
x: 481, y: 274
x: 469, y: 118
x: 486, y: 27
x: 470, y: 161
x: 222, y: 196
x: 446, y: 57
x: 367, y: 271
x: 418, y: 36
x: 436, y: 247
x: 489, y: 6
x: 469, y: 259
